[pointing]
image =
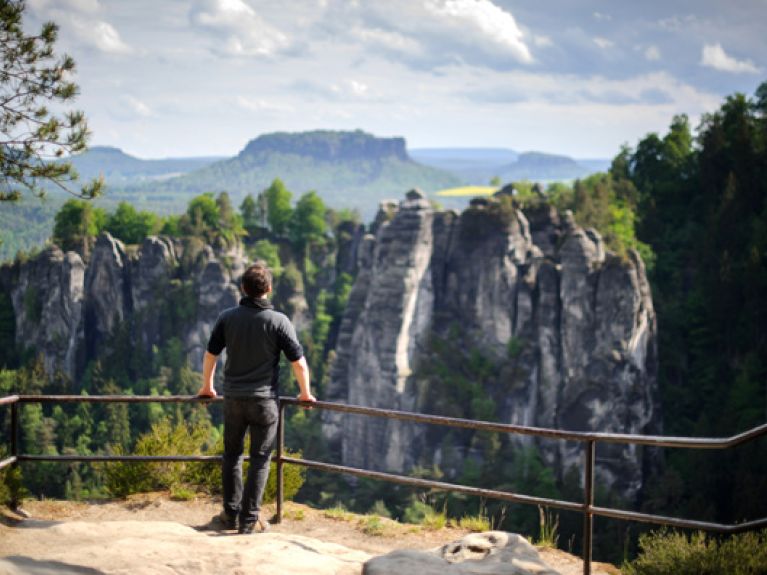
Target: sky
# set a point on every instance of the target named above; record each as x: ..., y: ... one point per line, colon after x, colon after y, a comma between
x: 174, y: 78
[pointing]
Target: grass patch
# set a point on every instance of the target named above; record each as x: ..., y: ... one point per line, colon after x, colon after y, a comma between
x: 182, y: 494
x: 549, y: 528
x: 667, y: 551
x: 434, y: 520
x: 338, y: 513
x: 476, y: 523
x: 372, y: 525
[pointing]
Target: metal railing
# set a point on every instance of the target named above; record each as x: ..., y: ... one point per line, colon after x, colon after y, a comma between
x: 588, y: 439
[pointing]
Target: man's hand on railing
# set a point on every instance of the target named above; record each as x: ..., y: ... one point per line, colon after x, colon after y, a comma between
x: 208, y: 371
x: 306, y: 397
x: 207, y: 391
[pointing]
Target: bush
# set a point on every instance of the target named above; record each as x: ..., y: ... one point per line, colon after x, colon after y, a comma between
x: 11, y: 485
x: 700, y: 554
x: 124, y: 478
x: 208, y: 476
x: 379, y: 508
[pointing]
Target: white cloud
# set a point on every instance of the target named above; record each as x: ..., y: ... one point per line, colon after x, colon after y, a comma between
x: 388, y: 40
x: 340, y: 91
x: 542, y: 41
x: 127, y: 108
x: 714, y: 56
x: 138, y: 107
x: 677, y: 23
x: 358, y: 88
x: 658, y: 90
x: 261, y: 105
x: 601, y: 16
x: 243, y: 31
x: 80, y: 6
x: 81, y: 17
x: 652, y: 53
x: 107, y: 39
x: 429, y: 34
x: 484, y: 20
x: 603, y: 43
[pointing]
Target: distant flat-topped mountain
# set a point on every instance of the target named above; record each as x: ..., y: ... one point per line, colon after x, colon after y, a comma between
x: 347, y: 169
x: 327, y: 146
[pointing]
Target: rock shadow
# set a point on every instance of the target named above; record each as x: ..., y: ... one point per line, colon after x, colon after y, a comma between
x: 18, y: 564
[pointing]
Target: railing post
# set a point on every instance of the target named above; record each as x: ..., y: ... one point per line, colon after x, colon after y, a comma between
x: 14, y: 428
x: 588, y: 501
x: 14, y: 444
x: 280, y: 463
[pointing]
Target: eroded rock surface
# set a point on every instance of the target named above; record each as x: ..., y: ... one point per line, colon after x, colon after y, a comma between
x: 495, y: 552
x: 571, y: 324
x: 70, y: 312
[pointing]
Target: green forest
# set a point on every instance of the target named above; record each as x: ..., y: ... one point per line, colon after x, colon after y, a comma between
x: 692, y: 202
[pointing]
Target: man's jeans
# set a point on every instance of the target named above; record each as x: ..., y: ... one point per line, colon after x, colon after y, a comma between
x: 260, y: 415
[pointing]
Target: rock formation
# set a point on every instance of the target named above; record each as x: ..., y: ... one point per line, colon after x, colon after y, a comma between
x: 70, y: 312
x: 494, y: 552
x: 571, y: 326
x: 47, y: 296
x: 328, y: 146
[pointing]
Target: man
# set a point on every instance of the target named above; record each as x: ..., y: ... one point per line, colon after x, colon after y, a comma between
x: 253, y: 334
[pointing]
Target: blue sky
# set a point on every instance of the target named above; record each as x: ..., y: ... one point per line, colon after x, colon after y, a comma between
x: 162, y: 78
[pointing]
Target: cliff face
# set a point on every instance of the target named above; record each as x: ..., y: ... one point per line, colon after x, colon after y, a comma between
x: 328, y: 146
x: 571, y: 326
x: 47, y: 296
x: 71, y: 313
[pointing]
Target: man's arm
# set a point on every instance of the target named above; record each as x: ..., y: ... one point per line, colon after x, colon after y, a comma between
x: 301, y: 371
x: 208, y: 371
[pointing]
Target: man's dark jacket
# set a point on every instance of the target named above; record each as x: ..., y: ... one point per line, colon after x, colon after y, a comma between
x: 253, y: 334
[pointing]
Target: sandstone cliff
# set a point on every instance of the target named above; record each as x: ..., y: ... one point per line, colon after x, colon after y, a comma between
x: 71, y: 313
x: 570, y: 328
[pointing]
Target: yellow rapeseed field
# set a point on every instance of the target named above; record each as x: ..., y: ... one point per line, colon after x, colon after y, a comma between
x: 468, y: 191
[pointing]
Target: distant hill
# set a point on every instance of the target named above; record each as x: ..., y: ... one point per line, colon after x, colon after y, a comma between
x: 540, y: 166
x: 119, y: 168
x: 477, y: 166
x: 596, y: 165
x: 347, y: 169
x: 472, y: 165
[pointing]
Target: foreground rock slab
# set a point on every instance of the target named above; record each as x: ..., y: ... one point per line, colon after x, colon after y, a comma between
x: 492, y: 552
x: 164, y: 547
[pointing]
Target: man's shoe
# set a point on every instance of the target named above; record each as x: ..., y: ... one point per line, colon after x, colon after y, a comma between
x: 246, y: 528
x: 227, y: 521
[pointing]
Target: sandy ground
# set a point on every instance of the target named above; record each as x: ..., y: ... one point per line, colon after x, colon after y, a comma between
x: 149, y: 533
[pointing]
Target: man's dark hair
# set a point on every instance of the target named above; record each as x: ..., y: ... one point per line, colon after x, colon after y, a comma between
x: 256, y: 280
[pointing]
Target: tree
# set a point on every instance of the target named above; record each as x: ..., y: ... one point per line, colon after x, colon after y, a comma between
x: 251, y: 213
x: 31, y: 136
x: 76, y: 224
x: 307, y: 223
x: 278, y: 210
x: 130, y: 225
